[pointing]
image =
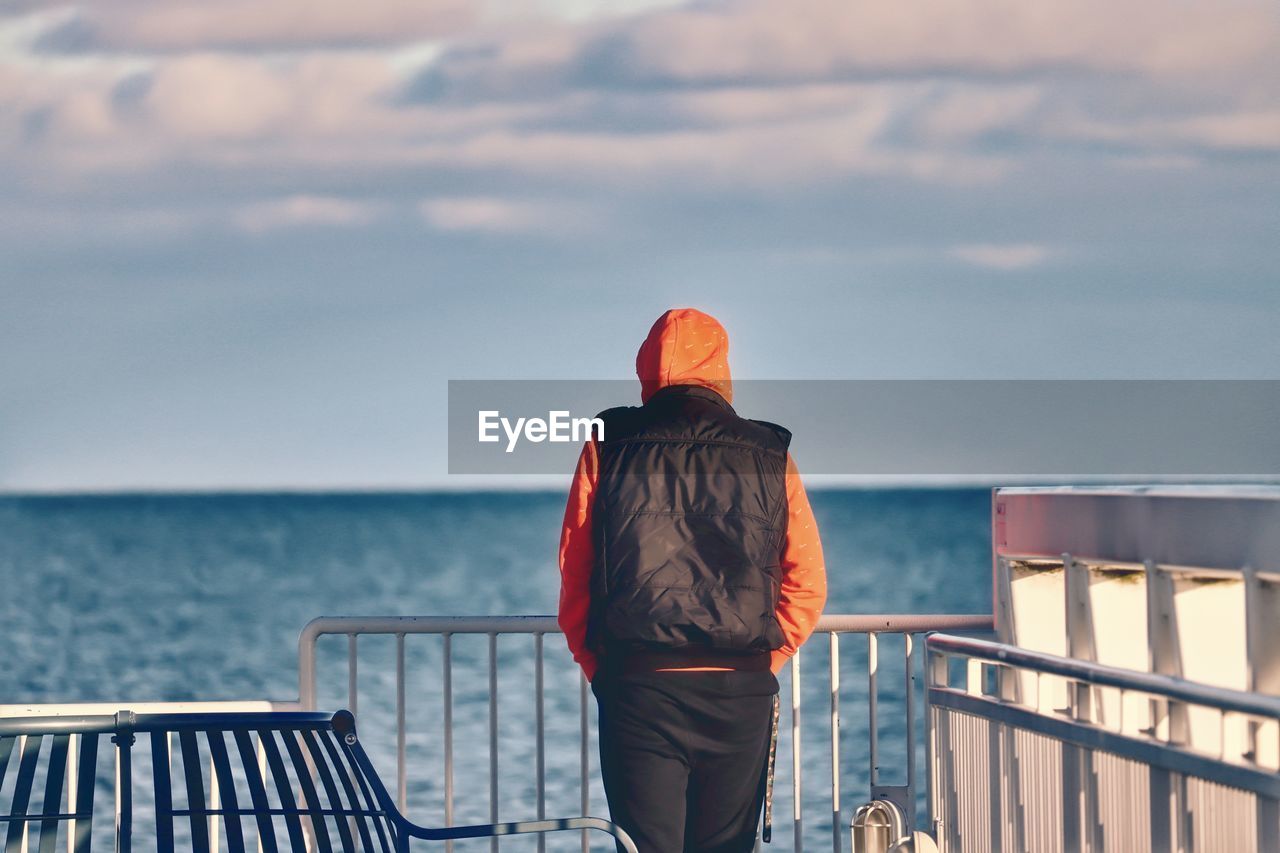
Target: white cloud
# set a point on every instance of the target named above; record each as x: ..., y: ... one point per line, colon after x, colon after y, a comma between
x: 752, y: 98
x: 303, y: 211
x: 491, y: 215
x: 1243, y: 129
x: 821, y: 38
x: 1001, y: 256
x: 194, y: 25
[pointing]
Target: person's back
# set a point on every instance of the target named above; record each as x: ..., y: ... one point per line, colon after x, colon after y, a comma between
x: 691, y: 570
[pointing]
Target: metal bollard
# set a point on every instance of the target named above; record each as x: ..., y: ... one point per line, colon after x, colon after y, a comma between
x: 877, y: 826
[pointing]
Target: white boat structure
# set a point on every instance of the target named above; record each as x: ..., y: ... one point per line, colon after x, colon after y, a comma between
x: 1132, y: 702
x: 1129, y: 702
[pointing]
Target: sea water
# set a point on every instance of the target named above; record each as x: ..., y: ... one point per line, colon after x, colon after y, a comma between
x: 137, y: 597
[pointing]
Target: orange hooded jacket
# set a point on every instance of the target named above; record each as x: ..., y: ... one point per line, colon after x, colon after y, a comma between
x: 688, y: 347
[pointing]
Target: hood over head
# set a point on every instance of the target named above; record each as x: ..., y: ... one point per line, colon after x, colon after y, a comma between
x: 685, y: 347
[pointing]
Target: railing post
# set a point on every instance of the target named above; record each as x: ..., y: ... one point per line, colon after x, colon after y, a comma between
x: 584, y: 763
x: 307, y: 667
x: 929, y: 766
x: 353, y: 670
x: 873, y: 745
x: 540, y: 756
x: 797, y: 811
x: 493, y: 736
x: 910, y: 701
x: 447, y: 693
x: 837, y: 829
x: 402, y: 784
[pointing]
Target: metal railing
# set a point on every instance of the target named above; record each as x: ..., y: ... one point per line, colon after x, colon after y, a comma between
x: 447, y: 627
x: 1012, y: 772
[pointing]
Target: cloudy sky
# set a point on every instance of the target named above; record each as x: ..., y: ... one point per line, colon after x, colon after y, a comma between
x: 246, y: 243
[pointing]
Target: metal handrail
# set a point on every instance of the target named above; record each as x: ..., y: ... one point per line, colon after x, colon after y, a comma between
x: 883, y: 623
x: 537, y: 626
x: 1153, y: 763
x: 1101, y: 675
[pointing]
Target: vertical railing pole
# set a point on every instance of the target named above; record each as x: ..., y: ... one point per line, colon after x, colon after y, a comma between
x: 797, y: 812
x: 929, y: 769
x: 836, y: 828
x: 353, y: 705
x: 493, y: 736
x: 307, y: 671
x: 447, y: 691
x: 909, y: 673
x: 402, y: 782
x: 540, y: 757
x: 584, y: 763
x: 873, y: 745
x: 353, y: 686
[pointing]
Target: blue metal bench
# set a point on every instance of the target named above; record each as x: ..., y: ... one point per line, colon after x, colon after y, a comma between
x: 285, y: 781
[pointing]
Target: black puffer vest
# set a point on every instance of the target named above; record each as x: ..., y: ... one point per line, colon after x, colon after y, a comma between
x: 689, y: 520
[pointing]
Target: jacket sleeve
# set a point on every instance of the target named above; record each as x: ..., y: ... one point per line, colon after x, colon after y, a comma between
x: 577, y: 557
x: 804, y: 575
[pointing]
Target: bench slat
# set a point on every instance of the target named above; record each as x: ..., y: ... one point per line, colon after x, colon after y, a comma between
x: 284, y: 788
x: 6, y: 749
x: 371, y: 801
x: 87, y: 783
x: 353, y: 800
x: 310, y: 797
x: 55, y: 775
x: 192, y: 769
x: 22, y: 792
x: 330, y: 789
x: 257, y: 791
x: 227, y: 790
x: 160, y: 772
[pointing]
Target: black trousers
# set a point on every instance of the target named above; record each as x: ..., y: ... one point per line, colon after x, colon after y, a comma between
x: 683, y: 756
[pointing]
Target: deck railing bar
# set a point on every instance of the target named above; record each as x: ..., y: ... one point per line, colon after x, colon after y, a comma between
x: 353, y: 664
x: 1101, y: 675
x: 837, y: 830
x: 402, y: 778
x: 1156, y: 753
x: 353, y: 697
x: 540, y: 743
x: 873, y: 744
x: 447, y: 691
x: 493, y: 736
x: 910, y: 701
x: 584, y: 758
x: 797, y: 813
x: 1169, y: 756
